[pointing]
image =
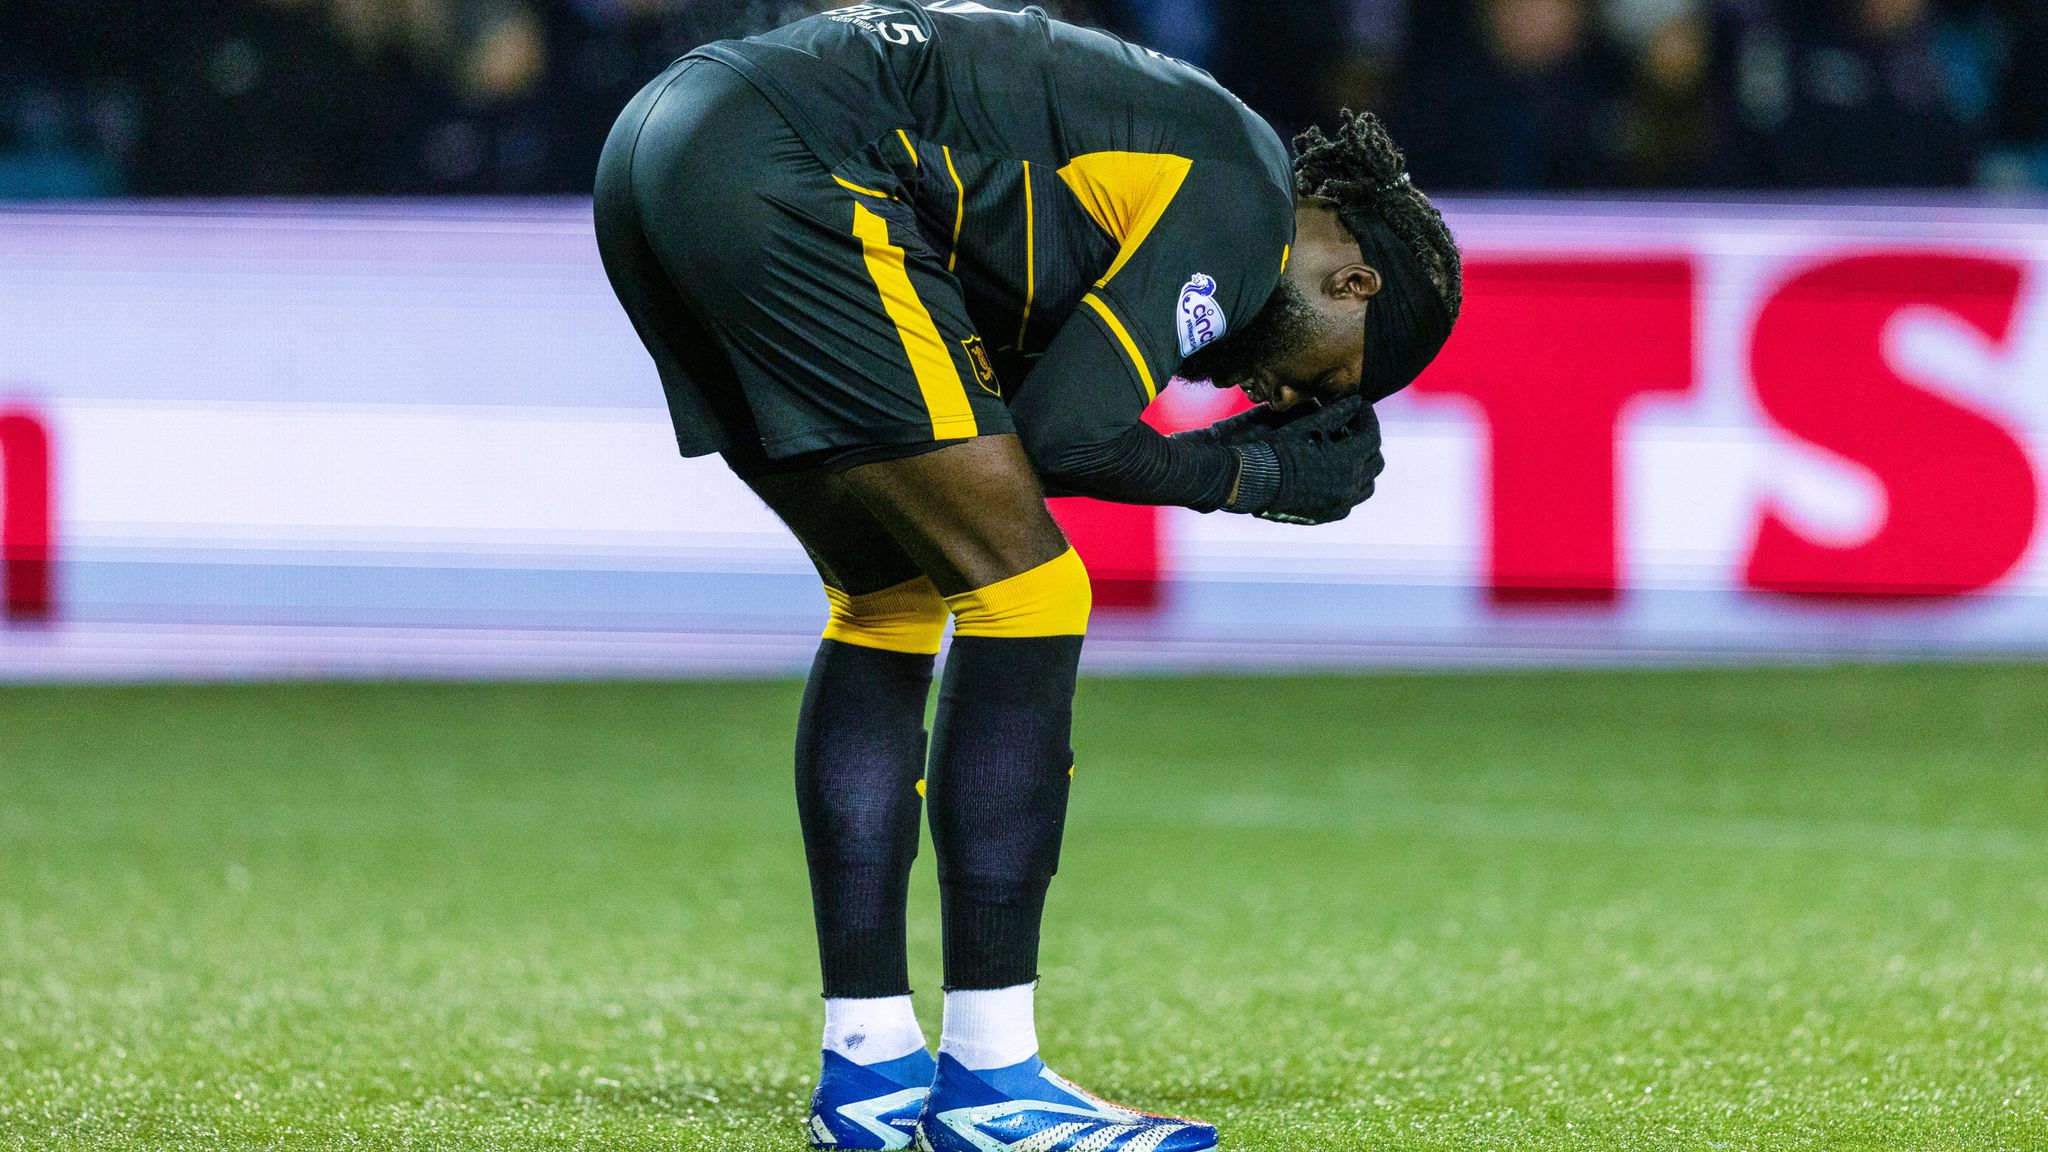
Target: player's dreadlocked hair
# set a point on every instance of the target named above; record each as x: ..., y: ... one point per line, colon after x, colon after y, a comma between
x: 1362, y: 174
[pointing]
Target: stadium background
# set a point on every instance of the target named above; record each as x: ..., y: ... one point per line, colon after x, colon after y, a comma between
x: 341, y: 249
x: 308, y: 373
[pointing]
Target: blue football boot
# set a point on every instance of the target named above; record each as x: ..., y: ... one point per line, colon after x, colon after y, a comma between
x: 1026, y: 1108
x: 869, y: 1106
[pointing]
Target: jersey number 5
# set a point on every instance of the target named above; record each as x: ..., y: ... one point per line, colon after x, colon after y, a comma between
x: 868, y: 16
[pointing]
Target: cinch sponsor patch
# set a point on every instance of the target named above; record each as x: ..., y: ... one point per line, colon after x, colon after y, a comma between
x: 1201, y: 319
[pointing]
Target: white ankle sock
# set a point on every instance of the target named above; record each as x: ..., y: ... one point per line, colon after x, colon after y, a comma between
x: 985, y: 1030
x: 872, y: 1031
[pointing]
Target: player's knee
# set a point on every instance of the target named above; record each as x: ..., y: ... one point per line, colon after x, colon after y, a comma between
x: 1053, y: 599
x: 910, y: 617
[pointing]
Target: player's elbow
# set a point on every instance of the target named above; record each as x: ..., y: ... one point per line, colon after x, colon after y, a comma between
x: 1050, y: 450
x: 1066, y: 464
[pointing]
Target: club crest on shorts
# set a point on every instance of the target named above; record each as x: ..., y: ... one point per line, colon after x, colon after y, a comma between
x: 1202, y: 322
x: 984, y: 368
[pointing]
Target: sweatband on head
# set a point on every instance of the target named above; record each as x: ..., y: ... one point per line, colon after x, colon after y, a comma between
x: 1406, y: 324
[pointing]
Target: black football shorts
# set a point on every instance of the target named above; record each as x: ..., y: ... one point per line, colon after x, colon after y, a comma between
x: 796, y: 317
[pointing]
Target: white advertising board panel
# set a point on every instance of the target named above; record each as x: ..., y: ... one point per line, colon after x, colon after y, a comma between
x: 420, y: 439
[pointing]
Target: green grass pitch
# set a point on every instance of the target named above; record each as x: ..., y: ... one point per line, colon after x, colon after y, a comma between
x: 1801, y: 909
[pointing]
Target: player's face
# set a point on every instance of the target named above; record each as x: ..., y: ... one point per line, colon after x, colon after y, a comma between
x: 1297, y: 350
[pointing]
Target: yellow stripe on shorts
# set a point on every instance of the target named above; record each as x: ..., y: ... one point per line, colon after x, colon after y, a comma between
x: 938, y: 378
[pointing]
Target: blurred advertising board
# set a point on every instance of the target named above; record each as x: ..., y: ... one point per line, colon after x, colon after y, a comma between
x: 420, y: 439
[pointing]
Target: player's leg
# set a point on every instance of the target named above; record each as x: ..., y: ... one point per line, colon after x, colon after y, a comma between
x: 699, y: 147
x: 860, y: 762
x: 973, y: 517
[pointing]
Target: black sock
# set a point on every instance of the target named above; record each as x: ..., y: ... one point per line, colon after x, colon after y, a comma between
x: 998, y: 793
x: 860, y: 751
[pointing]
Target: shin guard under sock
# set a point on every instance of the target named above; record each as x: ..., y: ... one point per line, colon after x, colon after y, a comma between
x: 1001, y: 767
x: 860, y: 756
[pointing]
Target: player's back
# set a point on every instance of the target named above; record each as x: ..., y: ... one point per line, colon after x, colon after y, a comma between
x: 1040, y: 162
x: 923, y: 223
x: 1012, y: 84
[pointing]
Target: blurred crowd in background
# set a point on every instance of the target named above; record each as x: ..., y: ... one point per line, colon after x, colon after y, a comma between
x: 380, y: 97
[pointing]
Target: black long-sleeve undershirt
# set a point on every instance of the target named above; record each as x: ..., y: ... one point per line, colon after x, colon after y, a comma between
x: 1080, y: 416
x: 1141, y: 466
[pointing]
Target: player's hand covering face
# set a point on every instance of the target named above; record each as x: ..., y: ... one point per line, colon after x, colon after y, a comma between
x: 1290, y: 353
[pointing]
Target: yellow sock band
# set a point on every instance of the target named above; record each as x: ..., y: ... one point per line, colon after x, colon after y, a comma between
x: 908, y: 618
x: 1052, y: 599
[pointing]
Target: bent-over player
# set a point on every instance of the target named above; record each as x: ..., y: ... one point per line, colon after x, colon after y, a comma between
x: 908, y: 268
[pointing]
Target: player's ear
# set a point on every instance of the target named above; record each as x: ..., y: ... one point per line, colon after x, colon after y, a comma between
x: 1354, y: 281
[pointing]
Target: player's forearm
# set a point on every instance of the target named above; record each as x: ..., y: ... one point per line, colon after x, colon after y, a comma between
x: 1139, y: 466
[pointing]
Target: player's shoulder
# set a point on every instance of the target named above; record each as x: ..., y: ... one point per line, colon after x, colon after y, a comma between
x: 1191, y: 112
x: 890, y: 22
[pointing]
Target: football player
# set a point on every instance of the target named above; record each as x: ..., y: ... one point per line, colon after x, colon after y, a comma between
x: 909, y: 268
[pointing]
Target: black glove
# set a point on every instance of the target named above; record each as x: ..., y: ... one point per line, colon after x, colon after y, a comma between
x: 1313, y: 470
x: 1261, y: 422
